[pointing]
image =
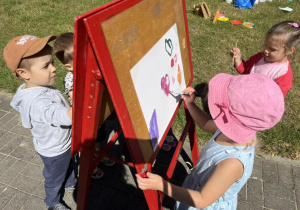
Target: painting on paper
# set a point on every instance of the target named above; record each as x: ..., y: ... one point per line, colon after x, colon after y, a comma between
x: 154, y: 76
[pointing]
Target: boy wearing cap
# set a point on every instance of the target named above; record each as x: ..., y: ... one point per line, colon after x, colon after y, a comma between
x: 44, y: 111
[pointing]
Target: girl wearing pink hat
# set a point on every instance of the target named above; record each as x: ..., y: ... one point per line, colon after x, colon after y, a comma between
x: 240, y: 106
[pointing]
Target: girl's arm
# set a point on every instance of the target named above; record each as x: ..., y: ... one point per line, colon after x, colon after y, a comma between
x: 227, y: 172
x: 200, y: 117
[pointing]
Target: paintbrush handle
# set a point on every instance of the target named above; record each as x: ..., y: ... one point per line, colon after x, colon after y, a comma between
x: 234, y: 53
x: 186, y: 94
x: 196, y: 94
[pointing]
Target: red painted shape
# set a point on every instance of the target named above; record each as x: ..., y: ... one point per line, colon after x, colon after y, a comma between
x: 172, y: 62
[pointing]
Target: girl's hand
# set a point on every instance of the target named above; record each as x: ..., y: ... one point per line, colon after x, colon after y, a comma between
x: 71, y: 94
x: 153, y: 182
x: 191, y: 98
x: 237, y: 57
x: 235, y: 53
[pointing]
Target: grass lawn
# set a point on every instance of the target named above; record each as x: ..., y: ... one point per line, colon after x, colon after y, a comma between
x: 210, y: 47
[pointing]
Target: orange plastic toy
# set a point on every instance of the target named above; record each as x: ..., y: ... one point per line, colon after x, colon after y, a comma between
x: 216, y: 16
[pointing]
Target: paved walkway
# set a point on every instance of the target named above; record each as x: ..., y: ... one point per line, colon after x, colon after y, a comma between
x: 274, y: 184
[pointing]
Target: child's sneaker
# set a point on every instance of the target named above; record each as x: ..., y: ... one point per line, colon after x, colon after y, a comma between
x: 108, y: 162
x: 97, y: 173
x: 71, y: 187
x: 58, y: 206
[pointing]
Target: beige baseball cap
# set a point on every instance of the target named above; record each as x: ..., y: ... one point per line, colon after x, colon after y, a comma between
x: 22, y: 47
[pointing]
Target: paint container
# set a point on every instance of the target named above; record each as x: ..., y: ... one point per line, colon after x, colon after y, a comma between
x: 197, y: 11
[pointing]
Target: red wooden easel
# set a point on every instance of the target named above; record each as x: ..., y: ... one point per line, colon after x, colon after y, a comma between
x: 94, y: 71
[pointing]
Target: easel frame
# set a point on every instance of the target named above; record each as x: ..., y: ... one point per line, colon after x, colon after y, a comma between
x: 89, y: 85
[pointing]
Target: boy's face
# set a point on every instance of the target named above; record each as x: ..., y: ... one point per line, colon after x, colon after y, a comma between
x: 42, y: 71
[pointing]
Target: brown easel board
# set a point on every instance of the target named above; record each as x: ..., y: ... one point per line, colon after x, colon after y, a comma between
x: 121, y: 41
x: 113, y: 44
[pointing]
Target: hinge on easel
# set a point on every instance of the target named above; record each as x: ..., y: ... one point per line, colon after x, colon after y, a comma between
x: 97, y: 74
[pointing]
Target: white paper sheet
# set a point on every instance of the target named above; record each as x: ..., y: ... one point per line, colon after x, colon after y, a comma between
x: 158, y: 72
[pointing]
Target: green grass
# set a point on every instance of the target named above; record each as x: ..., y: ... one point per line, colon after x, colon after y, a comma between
x: 40, y: 18
x: 210, y: 46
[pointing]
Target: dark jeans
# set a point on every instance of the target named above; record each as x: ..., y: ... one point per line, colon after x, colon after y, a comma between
x: 59, y: 173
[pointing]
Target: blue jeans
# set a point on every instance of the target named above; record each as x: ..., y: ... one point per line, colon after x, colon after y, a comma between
x: 59, y: 173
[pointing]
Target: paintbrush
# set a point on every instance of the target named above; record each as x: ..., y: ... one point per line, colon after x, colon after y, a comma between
x: 232, y: 67
x: 185, y: 94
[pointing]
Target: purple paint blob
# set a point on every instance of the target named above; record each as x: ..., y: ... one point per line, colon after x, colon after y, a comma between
x: 165, y: 84
x: 153, y: 130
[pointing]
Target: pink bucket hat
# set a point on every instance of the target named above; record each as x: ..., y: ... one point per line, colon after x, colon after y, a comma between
x: 242, y: 105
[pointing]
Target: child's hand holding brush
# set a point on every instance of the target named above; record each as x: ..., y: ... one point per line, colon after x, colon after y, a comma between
x: 236, y: 56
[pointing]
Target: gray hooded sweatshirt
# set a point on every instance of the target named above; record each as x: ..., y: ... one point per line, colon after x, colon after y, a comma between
x: 44, y: 111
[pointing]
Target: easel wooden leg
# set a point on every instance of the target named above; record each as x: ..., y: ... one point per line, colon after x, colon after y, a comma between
x: 153, y: 199
x: 194, y: 144
x: 85, y: 172
x: 192, y: 137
